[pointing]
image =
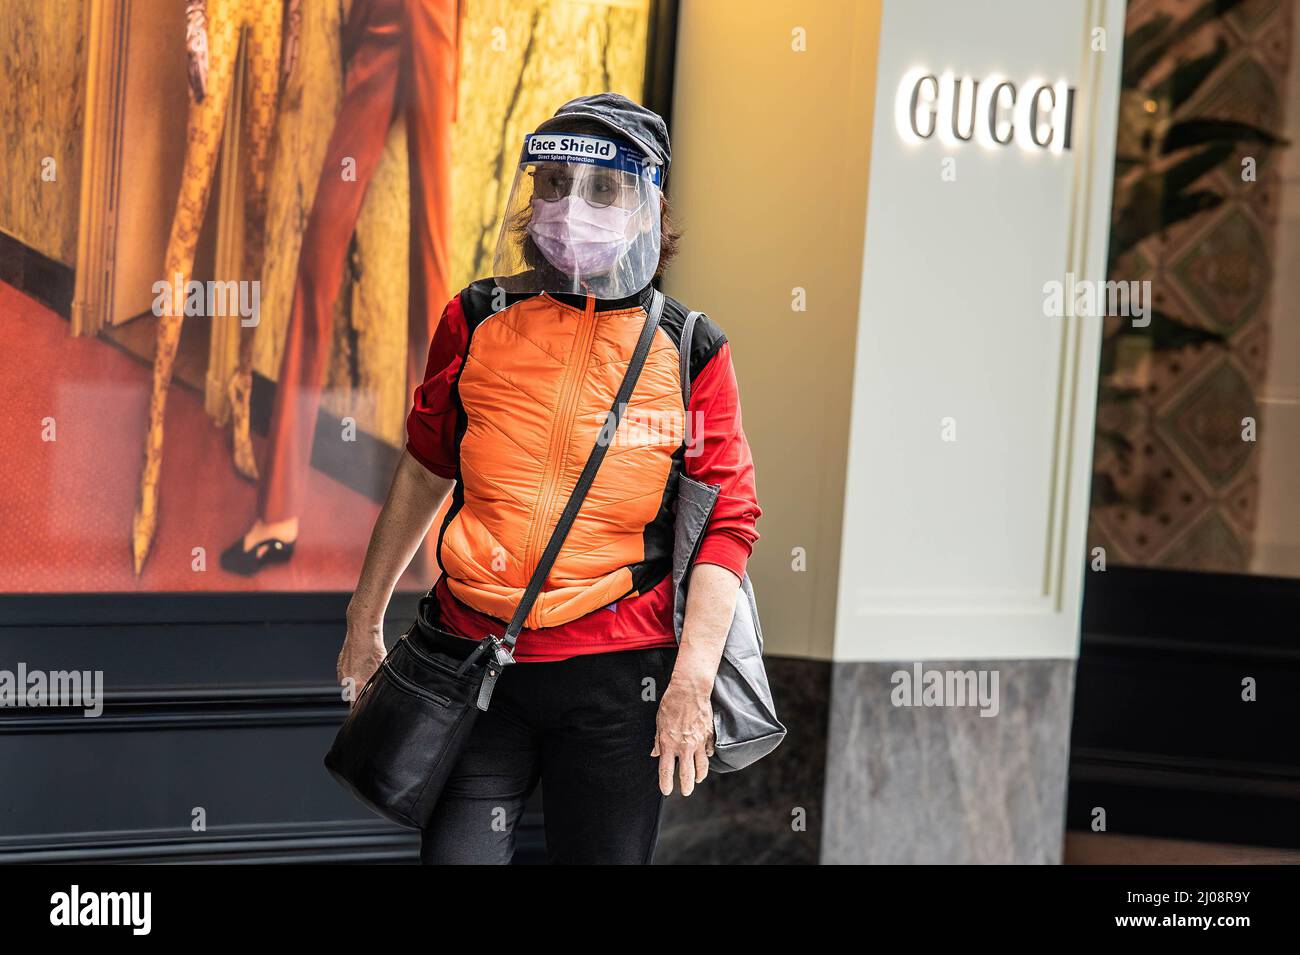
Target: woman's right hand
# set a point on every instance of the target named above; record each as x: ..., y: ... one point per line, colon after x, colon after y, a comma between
x: 196, y: 47
x: 403, y: 522
x: 363, y: 651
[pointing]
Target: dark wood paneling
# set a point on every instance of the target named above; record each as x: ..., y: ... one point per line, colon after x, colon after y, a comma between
x: 1162, y: 739
x: 217, y: 709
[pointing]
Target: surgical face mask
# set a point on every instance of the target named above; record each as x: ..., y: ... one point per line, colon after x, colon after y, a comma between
x: 579, y: 238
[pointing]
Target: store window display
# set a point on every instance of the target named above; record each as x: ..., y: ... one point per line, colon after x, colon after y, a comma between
x: 215, y: 31
x: 336, y: 165
x: 402, y: 57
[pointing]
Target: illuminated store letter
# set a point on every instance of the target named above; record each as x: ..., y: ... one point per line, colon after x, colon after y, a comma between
x: 916, y: 102
x: 994, y: 104
x: 1033, y: 117
x: 956, y: 110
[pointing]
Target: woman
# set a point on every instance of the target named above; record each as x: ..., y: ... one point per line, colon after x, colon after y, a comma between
x: 606, y: 711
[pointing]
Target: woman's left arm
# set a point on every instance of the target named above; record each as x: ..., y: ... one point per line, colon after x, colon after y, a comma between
x: 685, y: 723
x: 719, y: 455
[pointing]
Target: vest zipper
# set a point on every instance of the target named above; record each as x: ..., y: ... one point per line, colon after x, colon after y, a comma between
x: 575, y: 375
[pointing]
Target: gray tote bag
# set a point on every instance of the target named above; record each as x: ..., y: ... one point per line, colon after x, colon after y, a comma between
x: 744, y: 717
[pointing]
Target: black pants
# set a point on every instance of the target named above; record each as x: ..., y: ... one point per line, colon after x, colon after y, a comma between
x: 584, y: 728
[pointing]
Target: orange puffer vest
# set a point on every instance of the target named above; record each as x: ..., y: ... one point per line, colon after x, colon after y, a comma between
x: 538, y: 380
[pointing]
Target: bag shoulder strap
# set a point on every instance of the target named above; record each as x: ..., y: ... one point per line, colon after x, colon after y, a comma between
x: 684, y: 353
x: 688, y: 337
x: 504, y: 644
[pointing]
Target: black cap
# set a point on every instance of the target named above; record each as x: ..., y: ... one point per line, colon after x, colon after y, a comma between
x: 643, y: 127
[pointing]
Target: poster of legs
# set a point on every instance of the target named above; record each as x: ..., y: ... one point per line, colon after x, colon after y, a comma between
x: 257, y: 214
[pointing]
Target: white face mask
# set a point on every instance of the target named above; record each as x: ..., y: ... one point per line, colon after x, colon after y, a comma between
x: 579, y: 238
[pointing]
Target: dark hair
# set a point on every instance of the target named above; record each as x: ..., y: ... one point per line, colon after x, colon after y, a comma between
x: 669, y: 236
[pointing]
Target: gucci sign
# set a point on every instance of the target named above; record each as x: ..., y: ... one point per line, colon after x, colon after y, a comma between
x: 991, y: 111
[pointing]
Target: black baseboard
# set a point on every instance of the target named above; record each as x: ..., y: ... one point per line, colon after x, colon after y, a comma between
x: 351, y: 842
x: 223, y: 703
x: 49, y: 282
x: 216, y: 707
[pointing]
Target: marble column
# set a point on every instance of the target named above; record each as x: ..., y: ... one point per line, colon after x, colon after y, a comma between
x: 945, y: 784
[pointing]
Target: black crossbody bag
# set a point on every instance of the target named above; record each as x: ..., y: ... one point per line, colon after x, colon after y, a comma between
x: 407, y: 728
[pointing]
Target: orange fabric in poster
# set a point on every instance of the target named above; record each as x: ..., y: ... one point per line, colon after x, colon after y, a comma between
x: 402, y: 56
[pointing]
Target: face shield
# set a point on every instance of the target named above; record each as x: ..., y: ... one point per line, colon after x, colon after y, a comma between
x: 583, y: 218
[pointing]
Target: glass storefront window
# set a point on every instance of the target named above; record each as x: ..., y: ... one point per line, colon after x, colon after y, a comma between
x: 125, y: 473
x: 1198, y: 430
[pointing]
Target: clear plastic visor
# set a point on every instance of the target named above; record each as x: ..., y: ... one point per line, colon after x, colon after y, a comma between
x: 584, y: 228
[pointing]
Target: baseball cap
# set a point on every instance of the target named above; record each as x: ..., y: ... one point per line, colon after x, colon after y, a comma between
x: 643, y: 127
